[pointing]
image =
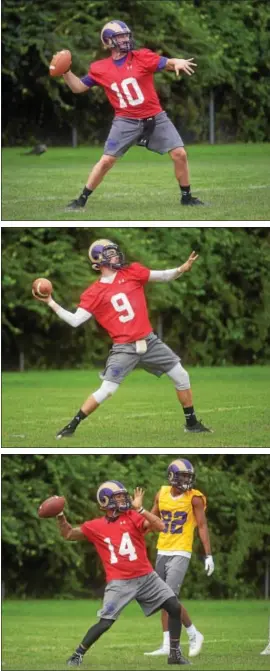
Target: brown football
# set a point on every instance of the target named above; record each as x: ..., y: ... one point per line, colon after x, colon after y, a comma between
x: 52, y: 506
x: 60, y: 63
x: 42, y: 287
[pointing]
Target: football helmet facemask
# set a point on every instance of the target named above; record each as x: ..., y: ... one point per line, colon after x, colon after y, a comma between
x: 181, y: 475
x: 102, y: 251
x: 107, y: 493
x: 111, y: 33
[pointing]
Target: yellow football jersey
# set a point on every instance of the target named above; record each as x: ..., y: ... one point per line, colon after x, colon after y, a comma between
x: 180, y: 523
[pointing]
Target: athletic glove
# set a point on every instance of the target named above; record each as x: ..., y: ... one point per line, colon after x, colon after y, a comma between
x: 209, y: 565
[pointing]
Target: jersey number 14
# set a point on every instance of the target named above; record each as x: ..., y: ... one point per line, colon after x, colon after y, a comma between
x: 126, y: 548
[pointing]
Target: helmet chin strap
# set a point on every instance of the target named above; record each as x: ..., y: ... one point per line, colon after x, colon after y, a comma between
x: 181, y: 488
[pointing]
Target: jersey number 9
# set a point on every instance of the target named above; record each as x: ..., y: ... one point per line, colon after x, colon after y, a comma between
x: 121, y: 303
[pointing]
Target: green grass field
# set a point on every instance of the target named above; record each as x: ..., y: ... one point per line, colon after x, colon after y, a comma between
x: 42, y: 634
x: 144, y: 412
x: 232, y: 179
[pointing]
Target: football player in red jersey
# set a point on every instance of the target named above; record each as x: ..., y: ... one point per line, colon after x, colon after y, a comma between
x: 119, y: 540
x: 127, y: 79
x: 117, y: 301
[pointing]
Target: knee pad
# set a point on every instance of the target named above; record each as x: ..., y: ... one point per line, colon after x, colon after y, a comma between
x: 106, y: 390
x: 180, y: 377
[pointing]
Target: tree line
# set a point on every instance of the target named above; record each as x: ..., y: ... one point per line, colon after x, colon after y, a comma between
x: 217, y: 314
x: 37, y: 562
x: 229, y: 41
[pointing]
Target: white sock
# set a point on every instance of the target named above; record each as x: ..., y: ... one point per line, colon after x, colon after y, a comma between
x: 166, y: 639
x: 191, y: 631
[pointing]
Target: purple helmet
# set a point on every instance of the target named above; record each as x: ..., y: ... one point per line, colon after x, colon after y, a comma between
x: 113, y: 30
x: 100, y: 253
x: 106, y: 494
x: 181, y: 474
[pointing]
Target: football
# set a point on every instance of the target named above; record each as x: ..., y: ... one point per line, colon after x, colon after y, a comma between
x: 42, y: 287
x: 60, y: 63
x: 52, y: 506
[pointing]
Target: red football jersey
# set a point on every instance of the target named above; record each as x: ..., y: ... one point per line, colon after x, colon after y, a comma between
x: 120, y: 307
x: 120, y: 545
x: 130, y: 86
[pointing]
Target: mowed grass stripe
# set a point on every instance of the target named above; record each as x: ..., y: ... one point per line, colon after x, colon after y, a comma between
x: 141, y: 186
x: 144, y: 412
x: 40, y: 635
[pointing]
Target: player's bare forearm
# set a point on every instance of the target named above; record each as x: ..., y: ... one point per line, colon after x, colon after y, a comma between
x: 152, y: 522
x: 181, y: 64
x: 199, y: 514
x: 74, y: 83
x: 204, y: 536
x: 67, y: 531
x: 155, y: 523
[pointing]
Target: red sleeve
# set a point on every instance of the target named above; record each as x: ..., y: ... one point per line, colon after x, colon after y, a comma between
x: 138, y: 520
x: 97, y: 69
x: 139, y: 272
x: 87, y: 300
x: 91, y: 68
x: 149, y: 59
x: 88, y: 531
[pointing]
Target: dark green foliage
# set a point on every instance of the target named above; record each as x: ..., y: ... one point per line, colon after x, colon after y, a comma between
x: 217, y: 314
x: 38, y: 562
x: 230, y: 42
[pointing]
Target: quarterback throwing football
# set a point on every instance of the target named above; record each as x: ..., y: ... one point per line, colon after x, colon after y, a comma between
x: 127, y: 79
x: 117, y: 301
x: 119, y: 540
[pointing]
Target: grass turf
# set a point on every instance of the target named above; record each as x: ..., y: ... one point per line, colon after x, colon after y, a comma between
x: 234, y: 401
x: 42, y: 634
x: 232, y: 179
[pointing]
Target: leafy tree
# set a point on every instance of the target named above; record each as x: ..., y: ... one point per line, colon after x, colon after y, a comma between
x: 216, y: 314
x: 38, y: 562
x: 230, y: 42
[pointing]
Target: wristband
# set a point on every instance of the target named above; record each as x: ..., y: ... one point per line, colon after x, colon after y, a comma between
x: 141, y: 510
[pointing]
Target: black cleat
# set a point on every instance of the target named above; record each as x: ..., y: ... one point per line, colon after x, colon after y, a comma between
x: 75, y: 659
x: 176, y: 657
x: 197, y: 428
x: 67, y: 431
x: 76, y: 204
x: 190, y: 200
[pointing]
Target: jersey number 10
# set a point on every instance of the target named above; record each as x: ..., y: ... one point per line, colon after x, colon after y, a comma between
x: 129, y: 86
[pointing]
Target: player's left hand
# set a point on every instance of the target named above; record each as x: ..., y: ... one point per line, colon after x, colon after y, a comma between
x: 188, y: 265
x: 209, y: 565
x: 186, y: 65
x: 137, y: 500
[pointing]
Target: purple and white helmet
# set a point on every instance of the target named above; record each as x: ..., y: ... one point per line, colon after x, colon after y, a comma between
x: 111, y: 31
x: 181, y: 474
x: 106, y: 494
x: 100, y: 253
